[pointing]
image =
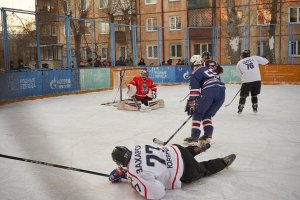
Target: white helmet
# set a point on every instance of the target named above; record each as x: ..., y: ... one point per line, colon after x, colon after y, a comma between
x: 196, y: 60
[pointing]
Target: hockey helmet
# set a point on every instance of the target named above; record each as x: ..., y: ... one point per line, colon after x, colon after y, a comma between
x: 246, y: 53
x: 121, y: 155
x: 205, y: 55
x: 195, y: 60
x: 212, y: 63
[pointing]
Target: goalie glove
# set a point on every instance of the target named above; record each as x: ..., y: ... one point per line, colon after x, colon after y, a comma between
x: 191, y: 106
x: 117, y: 174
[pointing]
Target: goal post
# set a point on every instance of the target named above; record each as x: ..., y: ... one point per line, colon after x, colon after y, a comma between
x: 122, y: 76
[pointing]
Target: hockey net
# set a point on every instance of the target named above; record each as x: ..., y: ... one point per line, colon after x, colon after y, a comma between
x: 121, y: 77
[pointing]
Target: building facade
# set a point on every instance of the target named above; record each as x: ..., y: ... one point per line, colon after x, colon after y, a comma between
x: 172, y: 29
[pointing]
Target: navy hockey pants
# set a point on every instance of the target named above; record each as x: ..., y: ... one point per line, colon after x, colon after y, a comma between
x: 209, y: 102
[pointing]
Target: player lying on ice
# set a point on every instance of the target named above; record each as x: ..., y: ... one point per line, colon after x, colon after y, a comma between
x: 142, y: 90
x: 152, y: 170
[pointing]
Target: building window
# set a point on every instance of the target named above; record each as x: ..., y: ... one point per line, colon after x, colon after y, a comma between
x: 147, y: 2
x: 263, y: 17
x: 173, y: 0
x: 104, y: 28
x: 295, y: 15
x: 84, y: 4
x: 151, y: 24
x: 175, y: 23
x: 104, y: 52
x: 201, y: 47
x: 175, y: 50
x: 47, y: 53
x: 295, y: 48
x: 123, y: 52
x: 103, y: 4
x: 200, y: 17
x: 261, y: 47
x: 152, y: 51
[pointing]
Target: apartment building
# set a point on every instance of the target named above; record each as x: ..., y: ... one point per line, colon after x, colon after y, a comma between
x: 177, y: 29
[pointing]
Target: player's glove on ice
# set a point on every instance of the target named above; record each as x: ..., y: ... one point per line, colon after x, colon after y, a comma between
x: 117, y: 174
x: 190, y: 107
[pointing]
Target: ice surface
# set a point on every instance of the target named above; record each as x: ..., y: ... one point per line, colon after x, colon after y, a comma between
x: 78, y: 131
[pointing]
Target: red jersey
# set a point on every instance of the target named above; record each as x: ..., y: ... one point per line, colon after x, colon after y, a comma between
x: 142, y: 87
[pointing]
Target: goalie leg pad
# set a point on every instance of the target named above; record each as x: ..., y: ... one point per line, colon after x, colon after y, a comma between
x: 161, y: 103
x: 154, y: 104
x: 130, y: 105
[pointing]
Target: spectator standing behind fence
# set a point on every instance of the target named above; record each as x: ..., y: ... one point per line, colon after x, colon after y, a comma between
x: 142, y: 62
x: 169, y: 62
x: 120, y: 62
x: 128, y: 61
x: 98, y: 62
x: 179, y: 62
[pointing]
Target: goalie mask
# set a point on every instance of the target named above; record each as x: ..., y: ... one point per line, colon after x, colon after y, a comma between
x: 144, y: 74
x: 195, y: 61
x: 121, y: 155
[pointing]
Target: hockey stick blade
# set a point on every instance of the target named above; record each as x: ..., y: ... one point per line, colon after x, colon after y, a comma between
x: 159, y: 142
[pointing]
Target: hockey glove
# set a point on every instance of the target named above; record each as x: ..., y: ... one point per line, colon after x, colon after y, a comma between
x: 117, y: 174
x: 190, y: 106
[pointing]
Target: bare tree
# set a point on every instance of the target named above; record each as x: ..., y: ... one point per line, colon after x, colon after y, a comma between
x: 78, y: 27
x: 270, y: 53
x: 234, y: 46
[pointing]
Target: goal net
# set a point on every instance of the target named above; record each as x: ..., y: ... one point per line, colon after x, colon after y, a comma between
x: 121, y: 77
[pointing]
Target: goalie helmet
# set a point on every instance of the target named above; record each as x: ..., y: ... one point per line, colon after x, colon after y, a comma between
x: 121, y: 155
x: 246, y: 53
x: 144, y: 73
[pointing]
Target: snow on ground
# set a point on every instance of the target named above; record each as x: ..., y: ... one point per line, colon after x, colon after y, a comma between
x: 79, y: 132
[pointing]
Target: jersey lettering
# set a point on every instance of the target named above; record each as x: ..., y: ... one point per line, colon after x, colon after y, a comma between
x: 138, y: 159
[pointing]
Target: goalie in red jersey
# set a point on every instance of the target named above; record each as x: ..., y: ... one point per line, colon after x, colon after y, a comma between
x: 141, y: 88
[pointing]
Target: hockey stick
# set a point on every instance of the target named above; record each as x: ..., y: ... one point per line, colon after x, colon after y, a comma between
x: 53, y: 165
x: 233, y: 98
x: 159, y: 142
x: 184, y: 97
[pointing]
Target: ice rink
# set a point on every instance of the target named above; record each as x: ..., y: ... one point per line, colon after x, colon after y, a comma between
x: 79, y: 132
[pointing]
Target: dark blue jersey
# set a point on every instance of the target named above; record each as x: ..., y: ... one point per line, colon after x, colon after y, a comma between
x: 203, y: 78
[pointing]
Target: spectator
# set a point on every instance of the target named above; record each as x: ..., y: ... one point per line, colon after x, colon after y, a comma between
x: 142, y: 62
x: 179, y: 62
x: 120, y: 62
x: 169, y: 62
x: 98, y: 62
x: 128, y: 62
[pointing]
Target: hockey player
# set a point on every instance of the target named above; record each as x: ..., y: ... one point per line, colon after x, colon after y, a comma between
x: 207, y: 94
x: 206, y: 59
x: 248, y: 69
x: 152, y: 170
x: 142, y: 88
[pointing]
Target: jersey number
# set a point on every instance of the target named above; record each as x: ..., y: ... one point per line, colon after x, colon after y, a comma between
x: 250, y: 65
x: 150, y: 158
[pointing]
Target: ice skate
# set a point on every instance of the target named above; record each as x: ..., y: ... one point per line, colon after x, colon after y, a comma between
x: 254, y: 106
x: 200, y: 149
x: 229, y: 159
x: 204, y: 139
x: 240, y: 108
x: 190, y: 141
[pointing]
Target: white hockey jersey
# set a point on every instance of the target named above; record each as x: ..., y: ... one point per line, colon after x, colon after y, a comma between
x: 154, y: 169
x: 248, y: 68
